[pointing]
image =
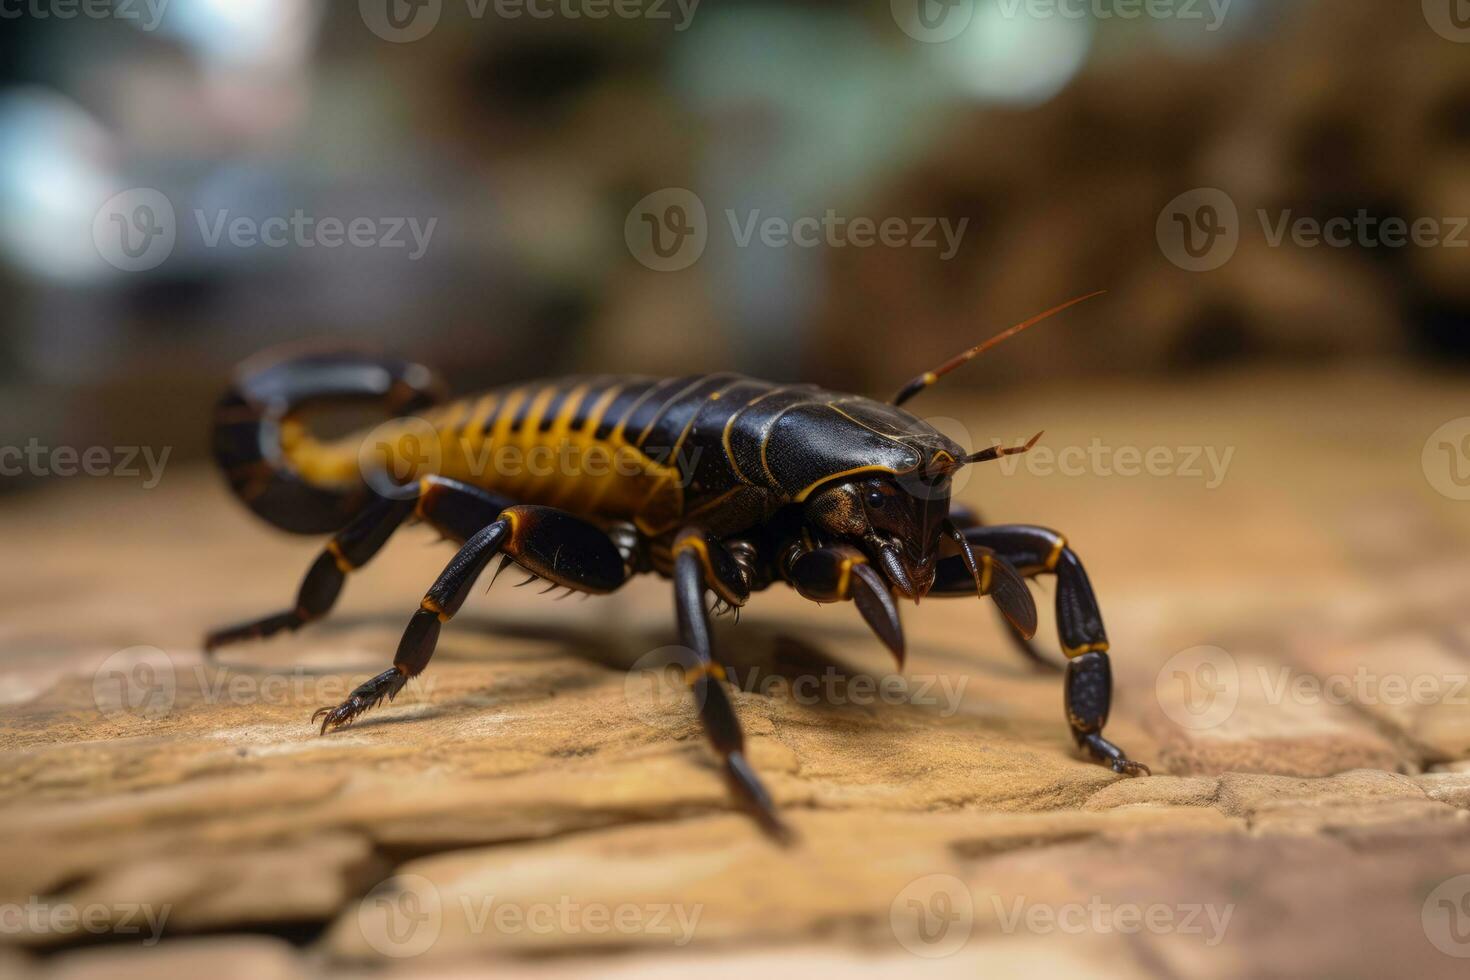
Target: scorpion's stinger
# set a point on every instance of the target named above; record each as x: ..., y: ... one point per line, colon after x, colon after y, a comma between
x: 929, y: 377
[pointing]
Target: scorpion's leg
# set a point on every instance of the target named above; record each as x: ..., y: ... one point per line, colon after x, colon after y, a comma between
x: 839, y: 573
x: 965, y: 518
x: 1089, y: 685
x: 700, y: 562
x: 456, y: 509
x: 546, y: 542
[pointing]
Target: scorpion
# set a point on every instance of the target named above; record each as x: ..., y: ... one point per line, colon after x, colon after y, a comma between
x: 722, y: 483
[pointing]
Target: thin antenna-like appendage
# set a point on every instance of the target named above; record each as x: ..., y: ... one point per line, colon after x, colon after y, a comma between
x: 996, y: 452
x: 928, y: 378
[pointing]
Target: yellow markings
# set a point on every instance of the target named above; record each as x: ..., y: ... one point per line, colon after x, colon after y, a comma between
x: 556, y: 438
x: 429, y: 605
x: 730, y: 423
x: 512, y: 516
x: 837, y: 476
x: 335, y: 550
x: 988, y: 564
x: 699, y: 670
x: 844, y: 576
x: 1099, y: 647
x: 1056, y: 554
x: 930, y: 377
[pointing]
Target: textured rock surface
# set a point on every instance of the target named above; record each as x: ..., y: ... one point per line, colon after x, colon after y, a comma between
x: 530, y: 795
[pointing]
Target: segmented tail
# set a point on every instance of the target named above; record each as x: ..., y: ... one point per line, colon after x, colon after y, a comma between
x: 257, y: 419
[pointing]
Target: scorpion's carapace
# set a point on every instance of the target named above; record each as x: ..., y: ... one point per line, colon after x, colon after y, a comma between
x: 722, y: 483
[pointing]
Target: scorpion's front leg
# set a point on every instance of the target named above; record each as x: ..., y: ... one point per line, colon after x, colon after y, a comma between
x: 546, y: 542
x: 702, y: 562
x: 1089, y: 685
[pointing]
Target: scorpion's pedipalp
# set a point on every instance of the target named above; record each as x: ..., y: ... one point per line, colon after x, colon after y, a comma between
x: 875, y: 603
x: 841, y: 572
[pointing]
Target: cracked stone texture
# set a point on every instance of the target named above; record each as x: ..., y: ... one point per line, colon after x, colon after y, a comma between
x: 532, y: 804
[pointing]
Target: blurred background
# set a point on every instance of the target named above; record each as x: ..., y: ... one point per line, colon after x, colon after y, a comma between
x: 178, y: 179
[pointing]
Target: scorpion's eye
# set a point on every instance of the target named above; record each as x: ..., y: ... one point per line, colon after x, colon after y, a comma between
x: 875, y: 498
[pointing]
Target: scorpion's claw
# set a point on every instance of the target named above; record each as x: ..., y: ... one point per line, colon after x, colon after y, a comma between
x: 1128, y: 767
x: 367, y: 695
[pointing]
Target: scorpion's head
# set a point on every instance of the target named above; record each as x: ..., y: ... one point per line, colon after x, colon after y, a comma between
x: 897, y: 522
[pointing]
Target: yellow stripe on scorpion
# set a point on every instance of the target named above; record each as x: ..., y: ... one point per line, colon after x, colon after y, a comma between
x: 692, y: 674
x: 1099, y: 647
x: 1056, y: 553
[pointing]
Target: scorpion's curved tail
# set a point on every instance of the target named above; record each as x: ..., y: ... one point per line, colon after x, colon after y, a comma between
x: 269, y: 457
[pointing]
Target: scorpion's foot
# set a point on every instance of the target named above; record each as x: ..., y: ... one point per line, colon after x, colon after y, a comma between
x: 367, y: 695
x: 754, y: 798
x: 1106, y: 752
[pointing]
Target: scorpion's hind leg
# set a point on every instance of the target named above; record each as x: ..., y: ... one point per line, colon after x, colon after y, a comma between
x: 702, y: 562
x: 544, y: 541
x: 1089, y: 683
x: 456, y: 509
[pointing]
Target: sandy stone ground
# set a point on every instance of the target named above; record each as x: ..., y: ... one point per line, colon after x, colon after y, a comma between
x: 1291, y: 639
